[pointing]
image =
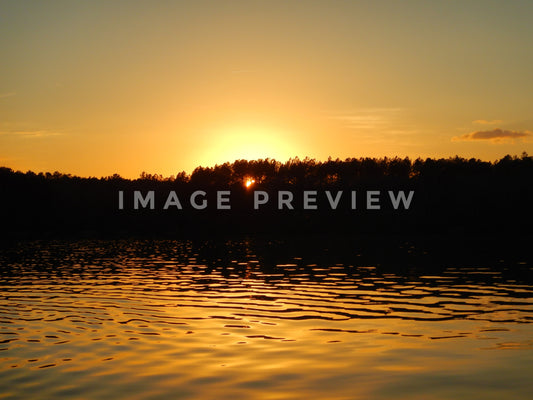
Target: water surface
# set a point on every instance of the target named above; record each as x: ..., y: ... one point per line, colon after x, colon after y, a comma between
x: 272, y: 319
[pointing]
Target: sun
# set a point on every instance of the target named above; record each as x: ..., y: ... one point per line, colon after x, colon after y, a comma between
x: 249, y: 182
x: 248, y: 143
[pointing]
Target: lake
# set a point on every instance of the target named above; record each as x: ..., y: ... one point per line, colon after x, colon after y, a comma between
x: 284, y: 318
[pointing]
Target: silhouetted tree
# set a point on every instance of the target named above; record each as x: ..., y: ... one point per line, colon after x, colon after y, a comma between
x: 451, y: 194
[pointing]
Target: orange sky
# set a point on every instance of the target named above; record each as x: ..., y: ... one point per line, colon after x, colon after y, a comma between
x: 103, y: 87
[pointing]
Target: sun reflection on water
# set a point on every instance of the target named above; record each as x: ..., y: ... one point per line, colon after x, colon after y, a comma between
x: 148, y: 319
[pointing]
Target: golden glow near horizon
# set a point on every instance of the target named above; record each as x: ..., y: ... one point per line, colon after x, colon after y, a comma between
x: 248, y: 143
x: 103, y: 87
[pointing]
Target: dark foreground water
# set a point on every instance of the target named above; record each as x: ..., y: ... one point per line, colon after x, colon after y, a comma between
x: 312, y: 318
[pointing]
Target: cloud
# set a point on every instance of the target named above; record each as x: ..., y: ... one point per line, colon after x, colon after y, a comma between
x: 495, y: 136
x: 485, y: 122
x: 29, y: 134
x: 377, y: 125
x: 2, y: 95
x: 367, y: 121
x: 367, y: 118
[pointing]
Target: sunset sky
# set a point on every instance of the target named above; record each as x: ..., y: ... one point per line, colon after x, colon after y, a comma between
x: 101, y: 87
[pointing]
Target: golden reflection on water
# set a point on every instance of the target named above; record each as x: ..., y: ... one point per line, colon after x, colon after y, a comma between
x: 167, y: 319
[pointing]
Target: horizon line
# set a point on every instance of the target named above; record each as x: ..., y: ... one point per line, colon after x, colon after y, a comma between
x: 523, y: 155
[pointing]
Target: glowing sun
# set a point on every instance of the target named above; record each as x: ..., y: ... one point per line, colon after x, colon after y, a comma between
x: 248, y: 143
x: 249, y: 182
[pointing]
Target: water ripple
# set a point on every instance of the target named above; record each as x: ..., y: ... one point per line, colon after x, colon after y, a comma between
x: 74, y: 307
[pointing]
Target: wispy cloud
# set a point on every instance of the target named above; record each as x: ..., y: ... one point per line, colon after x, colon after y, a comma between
x: 9, y: 94
x: 372, y: 120
x: 485, y: 122
x: 30, y: 134
x: 361, y: 121
x: 495, y: 136
x: 375, y: 124
x: 366, y: 118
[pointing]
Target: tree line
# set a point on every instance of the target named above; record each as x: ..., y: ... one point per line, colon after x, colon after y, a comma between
x: 452, y: 195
